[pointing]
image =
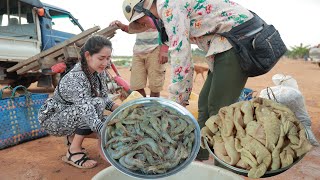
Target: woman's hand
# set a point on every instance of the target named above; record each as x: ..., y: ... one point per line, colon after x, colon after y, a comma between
x: 114, y: 107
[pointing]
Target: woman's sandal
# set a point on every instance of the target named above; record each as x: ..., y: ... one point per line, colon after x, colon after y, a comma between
x: 68, y: 143
x: 78, y: 163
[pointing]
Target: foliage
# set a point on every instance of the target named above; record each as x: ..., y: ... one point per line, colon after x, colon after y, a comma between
x: 122, y: 57
x: 122, y: 63
x: 122, y: 60
x: 297, y: 52
x: 198, y: 55
x: 198, y: 52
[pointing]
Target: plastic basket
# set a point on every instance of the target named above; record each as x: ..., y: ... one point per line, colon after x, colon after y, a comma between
x: 19, y: 117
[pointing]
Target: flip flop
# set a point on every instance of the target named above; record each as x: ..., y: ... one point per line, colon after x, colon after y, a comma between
x: 78, y: 163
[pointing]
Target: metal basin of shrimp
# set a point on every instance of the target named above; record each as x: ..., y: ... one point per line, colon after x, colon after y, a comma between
x: 150, y: 138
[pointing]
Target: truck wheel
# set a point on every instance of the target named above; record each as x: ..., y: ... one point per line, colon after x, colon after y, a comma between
x: 23, y: 81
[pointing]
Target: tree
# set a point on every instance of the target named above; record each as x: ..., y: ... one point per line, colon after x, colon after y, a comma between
x: 297, y: 52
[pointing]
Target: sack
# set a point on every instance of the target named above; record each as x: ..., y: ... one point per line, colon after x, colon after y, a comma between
x: 258, y: 44
x: 19, y: 117
x: 287, y: 93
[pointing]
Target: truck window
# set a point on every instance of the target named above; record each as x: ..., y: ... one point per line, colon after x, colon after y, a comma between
x: 17, y: 20
x: 4, y: 20
x: 64, y: 23
x: 13, y: 20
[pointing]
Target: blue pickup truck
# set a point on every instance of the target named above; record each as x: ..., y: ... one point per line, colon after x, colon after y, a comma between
x: 29, y: 27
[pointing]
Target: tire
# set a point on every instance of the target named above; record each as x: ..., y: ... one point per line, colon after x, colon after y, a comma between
x: 26, y: 82
x: 319, y: 64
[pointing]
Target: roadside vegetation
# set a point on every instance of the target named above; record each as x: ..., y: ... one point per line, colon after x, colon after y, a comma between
x: 298, y: 52
x: 295, y: 52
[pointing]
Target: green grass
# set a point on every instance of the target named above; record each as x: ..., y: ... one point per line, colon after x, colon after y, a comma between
x: 122, y: 60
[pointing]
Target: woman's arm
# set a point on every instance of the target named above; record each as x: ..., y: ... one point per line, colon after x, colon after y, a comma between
x: 75, y: 88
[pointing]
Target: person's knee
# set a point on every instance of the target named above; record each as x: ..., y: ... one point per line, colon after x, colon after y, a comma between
x: 156, y: 81
x: 138, y: 81
x: 97, y: 100
x: 98, y: 103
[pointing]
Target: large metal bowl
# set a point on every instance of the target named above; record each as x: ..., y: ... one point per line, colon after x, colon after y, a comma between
x: 244, y: 172
x: 152, y: 102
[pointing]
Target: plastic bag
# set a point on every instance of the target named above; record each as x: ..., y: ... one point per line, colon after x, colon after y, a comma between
x: 133, y: 95
x: 287, y: 92
x: 285, y: 80
x: 246, y: 94
x: 59, y: 68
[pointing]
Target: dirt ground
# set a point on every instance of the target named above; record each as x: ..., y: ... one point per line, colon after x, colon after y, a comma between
x: 41, y: 159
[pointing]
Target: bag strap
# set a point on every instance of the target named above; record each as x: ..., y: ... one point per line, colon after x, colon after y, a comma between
x: 234, y: 35
x: 250, y: 94
x: 4, y: 88
x: 274, y: 96
x: 254, y: 23
x: 26, y: 92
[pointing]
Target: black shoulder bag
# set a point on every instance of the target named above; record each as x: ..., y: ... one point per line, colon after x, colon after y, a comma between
x: 259, y: 45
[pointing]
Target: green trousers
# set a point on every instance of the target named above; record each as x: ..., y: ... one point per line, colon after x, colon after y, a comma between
x: 222, y: 88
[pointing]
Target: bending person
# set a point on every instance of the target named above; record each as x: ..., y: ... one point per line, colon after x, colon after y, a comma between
x: 76, y: 108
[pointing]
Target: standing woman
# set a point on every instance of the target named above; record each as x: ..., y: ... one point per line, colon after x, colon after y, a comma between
x: 198, y: 22
x: 76, y: 108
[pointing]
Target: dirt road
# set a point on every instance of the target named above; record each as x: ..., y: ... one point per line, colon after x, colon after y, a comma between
x: 41, y: 159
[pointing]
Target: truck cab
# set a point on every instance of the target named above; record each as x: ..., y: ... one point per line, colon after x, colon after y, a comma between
x: 28, y: 27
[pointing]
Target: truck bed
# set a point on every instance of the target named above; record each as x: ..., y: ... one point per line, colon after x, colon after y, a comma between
x: 60, y: 52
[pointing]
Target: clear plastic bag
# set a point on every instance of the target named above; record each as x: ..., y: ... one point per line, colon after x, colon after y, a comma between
x: 287, y: 92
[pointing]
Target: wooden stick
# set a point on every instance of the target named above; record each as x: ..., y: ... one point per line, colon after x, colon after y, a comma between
x: 54, y: 48
x: 28, y: 67
x: 104, y: 32
x: 56, y: 54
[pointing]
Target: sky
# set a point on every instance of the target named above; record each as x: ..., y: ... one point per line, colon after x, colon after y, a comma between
x: 298, y: 21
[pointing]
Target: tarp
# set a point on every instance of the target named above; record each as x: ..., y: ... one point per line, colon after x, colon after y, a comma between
x: 35, y: 3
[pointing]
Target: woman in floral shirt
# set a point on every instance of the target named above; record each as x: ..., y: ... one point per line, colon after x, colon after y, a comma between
x: 198, y: 22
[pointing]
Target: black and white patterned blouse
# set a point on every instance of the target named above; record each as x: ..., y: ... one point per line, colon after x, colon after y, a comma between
x: 73, y: 104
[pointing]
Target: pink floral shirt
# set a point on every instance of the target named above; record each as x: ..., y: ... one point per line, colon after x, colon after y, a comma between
x: 196, y: 21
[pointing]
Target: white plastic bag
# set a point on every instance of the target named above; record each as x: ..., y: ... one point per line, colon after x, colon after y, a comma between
x: 287, y: 92
x: 285, y: 80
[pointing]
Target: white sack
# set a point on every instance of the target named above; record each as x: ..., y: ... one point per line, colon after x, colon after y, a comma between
x: 287, y: 92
